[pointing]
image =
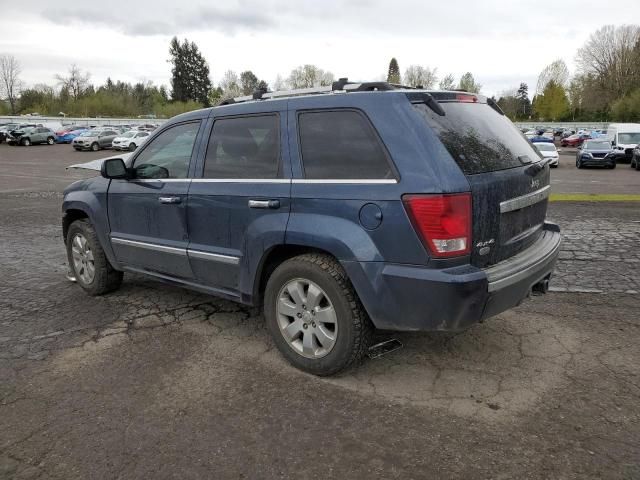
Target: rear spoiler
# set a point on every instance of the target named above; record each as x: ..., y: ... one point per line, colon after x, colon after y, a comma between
x: 433, y: 99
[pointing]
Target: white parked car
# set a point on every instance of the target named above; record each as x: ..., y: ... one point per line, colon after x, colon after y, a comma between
x: 548, y: 151
x: 129, y: 140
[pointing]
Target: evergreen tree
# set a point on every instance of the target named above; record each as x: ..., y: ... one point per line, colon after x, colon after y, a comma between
x: 190, y: 73
x: 524, y: 104
x: 393, y: 76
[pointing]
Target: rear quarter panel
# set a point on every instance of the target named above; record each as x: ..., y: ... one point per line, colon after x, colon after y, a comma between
x: 326, y: 214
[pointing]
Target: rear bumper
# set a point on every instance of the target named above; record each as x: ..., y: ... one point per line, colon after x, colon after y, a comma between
x: 413, y: 298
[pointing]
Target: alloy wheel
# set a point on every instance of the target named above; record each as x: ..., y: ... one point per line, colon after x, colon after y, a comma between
x: 307, y: 318
x: 83, y: 260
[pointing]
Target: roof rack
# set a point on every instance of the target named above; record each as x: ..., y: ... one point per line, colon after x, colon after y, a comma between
x: 341, y: 85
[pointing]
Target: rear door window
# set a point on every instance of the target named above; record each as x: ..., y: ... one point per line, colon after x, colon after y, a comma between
x: 478, y: 138
x: 244, y: 147
x: 341, y: 144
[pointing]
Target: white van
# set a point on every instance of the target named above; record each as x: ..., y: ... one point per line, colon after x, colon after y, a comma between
x: 624, y: 136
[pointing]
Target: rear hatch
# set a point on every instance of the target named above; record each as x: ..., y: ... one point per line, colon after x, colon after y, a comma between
x: 509, y: 182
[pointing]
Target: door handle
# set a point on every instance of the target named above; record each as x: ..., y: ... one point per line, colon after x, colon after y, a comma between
x: 169, y: 200
x: 264, y: 204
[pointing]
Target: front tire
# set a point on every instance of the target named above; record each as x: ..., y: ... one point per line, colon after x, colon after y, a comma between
x: 25, y: 142
x: 95, y: 146
x: 315, y: 316
x: 51, y: 140
x: 88, y: 262
x: 132, y: 147
x: 579, y: 163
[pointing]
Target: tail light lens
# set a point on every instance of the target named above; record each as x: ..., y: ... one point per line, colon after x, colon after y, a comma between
x: 442, y: 221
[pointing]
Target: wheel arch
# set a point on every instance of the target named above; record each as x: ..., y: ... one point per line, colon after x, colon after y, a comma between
x: 274, y: 257
x: 70, y: 216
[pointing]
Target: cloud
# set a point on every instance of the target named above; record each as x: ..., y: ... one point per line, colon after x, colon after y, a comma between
x: 141, y: 20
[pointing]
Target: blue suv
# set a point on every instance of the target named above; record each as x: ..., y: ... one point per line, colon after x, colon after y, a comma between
x: 342, y: 210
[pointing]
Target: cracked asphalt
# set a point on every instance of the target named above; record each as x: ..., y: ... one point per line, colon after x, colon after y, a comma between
x: 154, y: 381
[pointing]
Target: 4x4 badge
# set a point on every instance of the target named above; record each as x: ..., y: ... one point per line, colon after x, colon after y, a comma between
x: 535, y: 183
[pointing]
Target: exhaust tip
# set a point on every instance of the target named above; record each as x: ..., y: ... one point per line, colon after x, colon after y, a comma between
x: 541, y: 288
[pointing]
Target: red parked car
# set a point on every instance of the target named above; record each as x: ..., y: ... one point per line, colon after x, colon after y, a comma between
x: 574, y: 140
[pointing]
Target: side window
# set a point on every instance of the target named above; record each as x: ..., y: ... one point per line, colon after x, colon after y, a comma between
x: 244, y: 147
x: 168, y: 155
x: 341, y: 145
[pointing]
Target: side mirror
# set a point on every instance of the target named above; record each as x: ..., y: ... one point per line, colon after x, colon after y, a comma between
x: 114, y: 168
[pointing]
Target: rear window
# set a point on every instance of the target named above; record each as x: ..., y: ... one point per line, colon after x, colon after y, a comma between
x: 478, y: 138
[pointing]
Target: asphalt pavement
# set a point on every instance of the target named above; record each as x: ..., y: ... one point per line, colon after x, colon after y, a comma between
x: 154, y: 381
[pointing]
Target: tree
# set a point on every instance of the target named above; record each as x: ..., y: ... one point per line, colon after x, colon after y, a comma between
x: 279, y: 83
x: 190, y: 72
x: 393, y: 75
x: 230, y: 84
x: 448, y: 82
x: 524, y: 104
x: 556, y: 72
x: 612, y: 57
x: 248, y: 82
x: 553, y: 102
x: 627, y: 108
x: 75, y: 83
x: 10, y: 83
x: 307, y: 76
x: 416, y: 75
x: 468, y: 83
x: 509, y: 103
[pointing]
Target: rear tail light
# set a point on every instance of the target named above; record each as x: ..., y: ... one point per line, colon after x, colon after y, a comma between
x: 443, y: 222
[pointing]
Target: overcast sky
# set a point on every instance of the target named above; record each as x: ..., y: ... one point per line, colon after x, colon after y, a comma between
x: 501, y: 42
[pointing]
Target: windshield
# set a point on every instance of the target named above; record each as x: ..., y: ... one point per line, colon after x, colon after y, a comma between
x: 600, y: 145
x: 627, y: 138
x: 128, y: 134
x: 478, y: 138
x: 89, y: 134
x: 545, y: 147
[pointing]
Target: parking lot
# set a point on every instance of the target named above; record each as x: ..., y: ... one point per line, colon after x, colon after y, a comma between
x: 154, y: 381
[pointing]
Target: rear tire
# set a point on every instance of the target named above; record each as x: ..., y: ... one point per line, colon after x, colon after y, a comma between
x: 328, y: 330
x: 638, y: 165
x: 88, y: 262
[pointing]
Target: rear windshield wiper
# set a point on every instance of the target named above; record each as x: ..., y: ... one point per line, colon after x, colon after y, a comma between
x: 494, y: 105
x: 428, y: 100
